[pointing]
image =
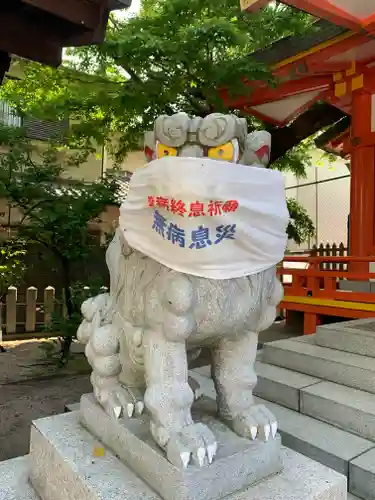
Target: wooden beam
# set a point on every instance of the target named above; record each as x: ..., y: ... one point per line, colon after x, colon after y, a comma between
x: 91, y: 37
x: 30, y: 40
x: 260, y: 95
x: 4, y: 64
x: 79, y: 12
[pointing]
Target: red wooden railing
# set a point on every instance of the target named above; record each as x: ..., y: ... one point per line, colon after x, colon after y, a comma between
x: 306, y: 276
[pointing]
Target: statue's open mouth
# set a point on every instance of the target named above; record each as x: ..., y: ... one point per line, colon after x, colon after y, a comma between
x: 207, y: 217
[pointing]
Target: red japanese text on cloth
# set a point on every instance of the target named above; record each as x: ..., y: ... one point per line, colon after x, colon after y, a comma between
x: 194, y: 208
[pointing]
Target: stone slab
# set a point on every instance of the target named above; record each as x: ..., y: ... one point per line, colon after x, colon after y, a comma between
x: 72, y: 407
x: 280, y: 385
x: 63, y: 467
x: 340, y: 367
x: 317, y: 440
x: 238, y: 464
x: 356, y: 336
x: 362, y: 476
x: 14, y: 480
x: 351, y: 409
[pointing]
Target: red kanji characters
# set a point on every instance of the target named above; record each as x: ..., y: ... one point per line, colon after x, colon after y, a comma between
x: 178, y: 207
x: 162, y: 202
x: 215, y: 208
x: 151, y: 201
x: 230, y: 206
x: 196, y: 209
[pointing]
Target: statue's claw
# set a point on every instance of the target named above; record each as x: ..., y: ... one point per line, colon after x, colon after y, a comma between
x: 258, y: 422
x: 194, y: 445
x: 195, y: 387
x: 119, y: 401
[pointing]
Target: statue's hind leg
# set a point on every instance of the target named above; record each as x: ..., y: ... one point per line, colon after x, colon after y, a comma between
x: 235, y: 379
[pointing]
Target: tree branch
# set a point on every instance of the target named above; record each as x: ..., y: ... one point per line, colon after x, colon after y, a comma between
x: 317, y: 117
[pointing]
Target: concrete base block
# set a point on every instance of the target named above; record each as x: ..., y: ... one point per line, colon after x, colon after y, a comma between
x: 362, y: 476
x: 356, y: 336
x: 350, y: 409
x: 14, y: 480
x: 72, y: 407
x: 238, y: 464
x: 64, y: 466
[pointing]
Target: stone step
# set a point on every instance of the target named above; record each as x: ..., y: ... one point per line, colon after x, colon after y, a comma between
x: 362, y: 476
x: 14, y: 480
x: 350, y: 409
x: 305, y: 357
x: 280, y: 385
x: 318, y: 440
x: 63, y: 465
x: 356, y: 336
x: 322, y: 442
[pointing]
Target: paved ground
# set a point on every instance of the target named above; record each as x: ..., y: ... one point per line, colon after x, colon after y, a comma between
x: 23, y: 399
x: 21, y: 403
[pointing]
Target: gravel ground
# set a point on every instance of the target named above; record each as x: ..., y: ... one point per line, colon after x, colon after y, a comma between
x: 24, y: 398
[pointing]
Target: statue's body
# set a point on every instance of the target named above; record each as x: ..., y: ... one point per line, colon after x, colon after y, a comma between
x: 139, y: 336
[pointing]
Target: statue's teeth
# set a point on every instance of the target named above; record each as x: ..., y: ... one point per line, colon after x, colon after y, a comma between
x: 139, y: 407
x: 253, y: 432
x: 130, y: 409
x: 274, y: 429
x: 185, y: 458
x: 211, y: 452
x: 201, y: 455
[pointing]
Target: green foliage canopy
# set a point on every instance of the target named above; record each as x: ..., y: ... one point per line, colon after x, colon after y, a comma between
x: 173, y: 56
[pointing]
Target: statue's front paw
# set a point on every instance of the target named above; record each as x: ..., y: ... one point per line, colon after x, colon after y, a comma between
x: 193, y: 445
x: 124, y: 402
x: 118, y: 400
x: 257, y: 423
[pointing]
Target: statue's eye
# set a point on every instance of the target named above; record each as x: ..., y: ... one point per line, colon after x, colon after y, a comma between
x: 162, y: 150
x: 225, y: 152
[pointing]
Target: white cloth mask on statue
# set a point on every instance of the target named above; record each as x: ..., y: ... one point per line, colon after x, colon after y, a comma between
x: 207, y: 218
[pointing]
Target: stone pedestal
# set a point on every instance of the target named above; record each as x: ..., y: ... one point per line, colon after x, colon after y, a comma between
x: 68, y: 462
x: 238, y: 464
x: 64, y: 464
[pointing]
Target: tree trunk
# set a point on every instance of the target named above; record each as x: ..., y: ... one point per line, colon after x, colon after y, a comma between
x: 319, y: 116
x: 67, y: 341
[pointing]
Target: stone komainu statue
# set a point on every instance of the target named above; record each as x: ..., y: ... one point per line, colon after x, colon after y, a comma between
x: 140, y: 335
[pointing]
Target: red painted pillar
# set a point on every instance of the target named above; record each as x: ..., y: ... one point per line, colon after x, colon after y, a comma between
x: 362, y: 181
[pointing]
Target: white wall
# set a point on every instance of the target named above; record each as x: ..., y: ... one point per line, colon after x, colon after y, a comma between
x: 325, y: 194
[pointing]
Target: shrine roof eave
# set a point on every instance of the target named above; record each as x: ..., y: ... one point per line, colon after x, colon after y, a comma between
x: 324, y: 65
x: 292, y: 46
x: 119, y: 4
x: 38, y: 30
x: 356, y: 15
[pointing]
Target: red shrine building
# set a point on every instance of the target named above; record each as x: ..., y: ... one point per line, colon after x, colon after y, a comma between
x: 335, y: 64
